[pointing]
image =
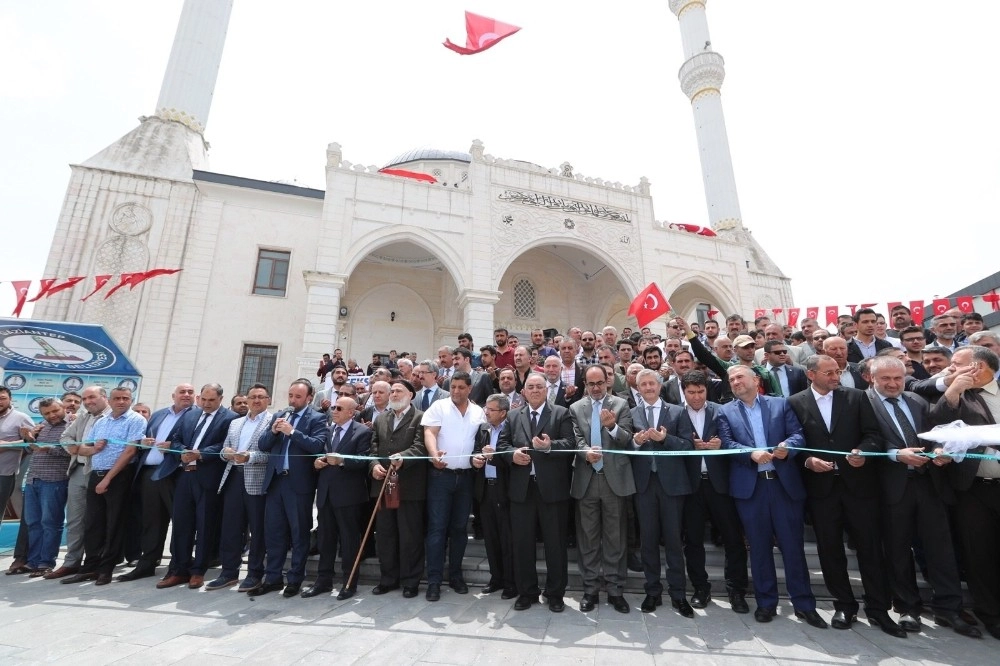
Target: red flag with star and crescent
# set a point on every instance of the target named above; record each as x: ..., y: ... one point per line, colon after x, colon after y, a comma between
x: 21, y: 292
x: 793, y: 316
x: 832, y: 312
x: 941, y: 305
x: 965, y: 304
x: 917, y: 312
x: 812, y: 313
x: 481, y: 32
x: 648, y: 305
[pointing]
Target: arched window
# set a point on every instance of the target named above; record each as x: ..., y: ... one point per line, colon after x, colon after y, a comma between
x: 524, y: 299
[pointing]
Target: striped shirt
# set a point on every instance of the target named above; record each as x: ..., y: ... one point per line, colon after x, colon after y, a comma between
x: 129, y: 427
x: 48, y: 464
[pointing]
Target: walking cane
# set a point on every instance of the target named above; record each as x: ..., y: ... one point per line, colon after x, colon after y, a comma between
x: 368, y: 531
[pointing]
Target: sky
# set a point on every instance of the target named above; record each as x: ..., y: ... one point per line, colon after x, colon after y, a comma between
x: 863, y: 135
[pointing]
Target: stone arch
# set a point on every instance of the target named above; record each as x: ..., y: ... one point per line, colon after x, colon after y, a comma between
x: 627, y: 280
x: 687, y: 289
x: 434, y: 245
x: 370, y: 330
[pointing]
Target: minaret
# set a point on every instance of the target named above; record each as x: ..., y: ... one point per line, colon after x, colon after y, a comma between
x: 701, y: 78
x: 189, y: 82
x: 170, y: 143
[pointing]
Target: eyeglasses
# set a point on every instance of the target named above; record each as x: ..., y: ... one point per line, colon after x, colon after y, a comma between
x: 588, y: 339
x: 778, y: 351
x: 673, y: 326
x: 594, y: 384
x: 832, y: 373
x: 338, y: 408
x: 344, y: 394
x: 921, y: 339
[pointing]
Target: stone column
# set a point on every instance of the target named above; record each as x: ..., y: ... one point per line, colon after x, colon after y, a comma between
x: 477, y: 314
x: 321, y: 333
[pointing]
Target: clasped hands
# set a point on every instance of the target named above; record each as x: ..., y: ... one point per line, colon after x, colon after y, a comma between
x: 654, y: 434
x: 763, y: 457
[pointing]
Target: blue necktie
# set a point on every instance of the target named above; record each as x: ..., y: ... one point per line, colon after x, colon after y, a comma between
x: 288, y: 439
x: 426, y: 402
x: 337, y: 432
x: 595, y: 433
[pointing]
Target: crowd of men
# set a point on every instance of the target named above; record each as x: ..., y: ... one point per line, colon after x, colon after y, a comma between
x: 616, y: 445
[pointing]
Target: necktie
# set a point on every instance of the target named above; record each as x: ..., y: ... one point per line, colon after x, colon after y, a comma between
x: 595, y: 433
x: 534, y: 423
x: 779, y: 372
x: 197, y: 431
x: 426, y: 402
x: 553, y: 388
x: 337, y: 432
x: 288, y: 440
x: 651, y: 423
x: 909, y: 434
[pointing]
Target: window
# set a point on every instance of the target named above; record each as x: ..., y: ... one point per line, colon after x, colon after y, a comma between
x: 524, y: 299
x: 272, y: 273
x: 257, y: 367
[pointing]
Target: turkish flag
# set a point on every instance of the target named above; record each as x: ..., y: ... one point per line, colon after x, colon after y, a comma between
x: 812, y: 313
x: 415, y: 175
x: 775, y: 312
x: 757, y: 314
x: 853, y: 308
x: 481, y: 32
x: 648, y: 305
x: 99, y: 282
x: 21, y: 292
x: 793, y: 316
x: 156, y: 272
x: 917, y: 312
x: 941, y: 306
x: 868, y: 305
x: 50, y: 287
x: 832, y: 311
x: 124, y: 280
x: 993, y: 299
x: 965, y: 304
x: 892, y: 304
x: 711, y: 313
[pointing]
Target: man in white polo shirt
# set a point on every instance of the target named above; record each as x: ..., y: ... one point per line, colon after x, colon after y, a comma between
x: 450, y: 428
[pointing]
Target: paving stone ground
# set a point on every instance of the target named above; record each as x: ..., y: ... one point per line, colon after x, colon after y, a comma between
x: 134, y: 623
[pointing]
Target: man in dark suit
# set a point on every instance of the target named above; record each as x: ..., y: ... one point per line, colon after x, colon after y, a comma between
x: 379, y: 403
x: 865, y: 344
x: 196, y: 441
x: 843, y: 491
x: 397, y: 438
x: 973, y: 398
x: 557, y: 392
x: 767, y: 486
x: 296, y: 435
x: 539, y: 491
x: 156, y: 497
x: 341, y: 493
x: 836, y: 348
x: 491, y: 491
x: 915, y: 494
x: 601, y: 487
x: 662, y: 483
x: 710, y: 498
x: 791, y: 378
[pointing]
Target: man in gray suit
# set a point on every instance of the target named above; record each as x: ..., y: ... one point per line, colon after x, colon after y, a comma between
x: 601, y: 487
x: 428, y: 391
x: 662, y: 484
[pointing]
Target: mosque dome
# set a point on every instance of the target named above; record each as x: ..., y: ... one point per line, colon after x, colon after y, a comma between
x: 424, y: 154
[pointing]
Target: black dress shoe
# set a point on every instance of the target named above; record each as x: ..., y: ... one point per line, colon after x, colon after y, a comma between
x: 410, y: 592
x: 102, y: 579
x: 910, y: 623
x: 843, y: 620
x: 459, y: 586
x: 588, y: 602
x: 882, y: 620
x: 619, y: 604
x: 508, y: 593
x: 491, y: 588
x: 953, y: 620
x: 811, y: 617
x: 968, y: 617
x: 382, y: 589
x: 682, y: 606
x: 525, y: 602
x: 700, y: 598
x: 764, y: 614
x: 556, y: 604
x: 650, y: 603
x: 346, y: 593
x: 316, y: 590
x: 634, y: 563
x: 292, y: 590
x: 79, y: 578
x: 433, y: 592
x: 739, y: 602
x: 135, y: 574
x: 993, y: 630
x: 265, y: 588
